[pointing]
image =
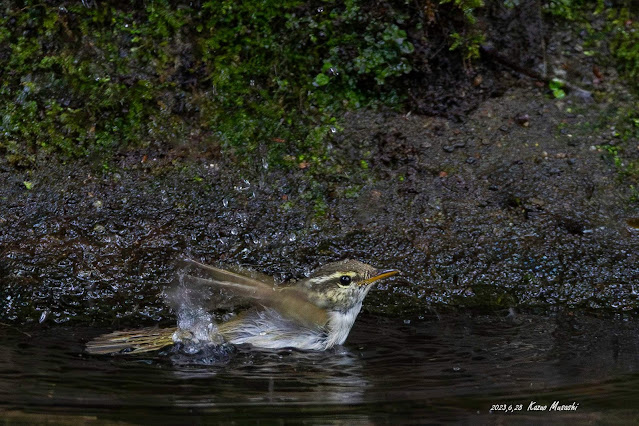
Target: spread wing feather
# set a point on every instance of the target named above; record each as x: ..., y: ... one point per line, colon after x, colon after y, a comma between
x: 292, y: 303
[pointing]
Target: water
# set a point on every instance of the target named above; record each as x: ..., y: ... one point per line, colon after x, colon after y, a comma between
x: 453, y: 368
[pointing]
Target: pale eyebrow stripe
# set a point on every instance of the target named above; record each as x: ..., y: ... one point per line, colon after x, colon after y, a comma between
x: 335, y: 275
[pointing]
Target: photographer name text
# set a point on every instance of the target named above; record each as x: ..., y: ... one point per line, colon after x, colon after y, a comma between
x: 535, y: 406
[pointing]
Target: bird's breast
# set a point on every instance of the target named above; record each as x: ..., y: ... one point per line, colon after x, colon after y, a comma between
x: 340, y: 324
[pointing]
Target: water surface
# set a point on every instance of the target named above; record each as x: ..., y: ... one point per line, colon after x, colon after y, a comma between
x: 451, y: 368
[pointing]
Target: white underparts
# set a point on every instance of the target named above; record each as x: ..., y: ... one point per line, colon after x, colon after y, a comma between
x: 340, y: 324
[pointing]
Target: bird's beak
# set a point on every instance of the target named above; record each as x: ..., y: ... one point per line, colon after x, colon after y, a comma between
x: 380, y: 275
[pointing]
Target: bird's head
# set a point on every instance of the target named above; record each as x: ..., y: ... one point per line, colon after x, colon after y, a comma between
x: 340, y: 286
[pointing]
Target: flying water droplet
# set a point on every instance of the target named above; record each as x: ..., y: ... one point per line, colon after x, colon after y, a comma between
x: 243, y: 186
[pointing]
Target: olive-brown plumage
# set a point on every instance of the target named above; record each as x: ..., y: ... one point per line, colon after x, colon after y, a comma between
x: 315, y: 313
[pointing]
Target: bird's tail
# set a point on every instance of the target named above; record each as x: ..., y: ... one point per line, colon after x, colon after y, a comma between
x: 132, y: 342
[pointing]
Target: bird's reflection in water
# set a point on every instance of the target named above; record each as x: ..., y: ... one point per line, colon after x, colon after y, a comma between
x: 272, y: 376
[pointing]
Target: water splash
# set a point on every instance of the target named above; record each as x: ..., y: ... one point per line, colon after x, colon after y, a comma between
x: 197, y: 329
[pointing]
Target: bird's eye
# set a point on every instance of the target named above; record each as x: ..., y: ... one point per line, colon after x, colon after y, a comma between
x: 344, y: 280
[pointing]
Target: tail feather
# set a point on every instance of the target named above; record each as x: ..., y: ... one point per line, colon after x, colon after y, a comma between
x: 132, y: 341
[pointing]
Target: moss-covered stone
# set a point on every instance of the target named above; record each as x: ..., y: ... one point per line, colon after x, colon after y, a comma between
x: 257, y: 77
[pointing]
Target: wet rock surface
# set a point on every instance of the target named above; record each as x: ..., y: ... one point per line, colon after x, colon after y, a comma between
x: 485, y: 213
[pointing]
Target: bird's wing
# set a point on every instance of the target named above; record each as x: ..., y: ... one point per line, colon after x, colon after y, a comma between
x: 292, y: 303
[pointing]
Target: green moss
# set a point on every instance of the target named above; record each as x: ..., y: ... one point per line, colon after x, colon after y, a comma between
x: 620, y: 155
x: 556, y: 87
x: 352, y: 191
x: 260, y: 78
x: 612, y: 153
x: 617, y: 31
x: 78, y: 80
x: 567, y: 9
x: 624, y: 28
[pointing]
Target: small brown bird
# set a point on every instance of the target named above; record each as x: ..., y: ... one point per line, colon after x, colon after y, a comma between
x: 315, y: 313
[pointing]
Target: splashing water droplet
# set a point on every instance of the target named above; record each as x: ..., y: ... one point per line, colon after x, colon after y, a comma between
x: 243, y: 186
x: 196, y: 326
